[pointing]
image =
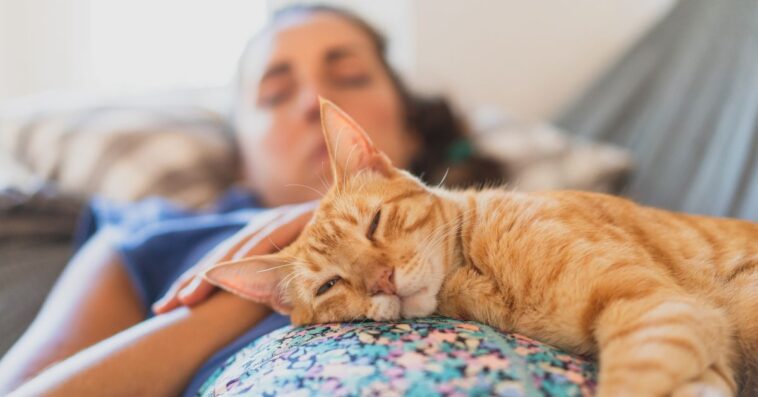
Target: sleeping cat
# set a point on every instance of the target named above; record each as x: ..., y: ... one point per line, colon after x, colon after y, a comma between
x: 667, y: 302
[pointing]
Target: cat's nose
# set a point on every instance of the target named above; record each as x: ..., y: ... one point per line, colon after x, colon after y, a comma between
x: 383, y: 283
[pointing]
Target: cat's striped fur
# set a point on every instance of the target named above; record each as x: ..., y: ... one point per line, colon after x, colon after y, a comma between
x: 667, y: 302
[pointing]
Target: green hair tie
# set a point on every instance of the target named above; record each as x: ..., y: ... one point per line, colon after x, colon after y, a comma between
x: 459, y: 151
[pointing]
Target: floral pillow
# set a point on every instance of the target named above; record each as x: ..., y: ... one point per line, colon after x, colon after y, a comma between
x: 421, y: 357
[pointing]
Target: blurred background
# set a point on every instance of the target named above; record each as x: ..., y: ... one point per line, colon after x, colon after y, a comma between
x: 664, y: 90
x: 528, y: 57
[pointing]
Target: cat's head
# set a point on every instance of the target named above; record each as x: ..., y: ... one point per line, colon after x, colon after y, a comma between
x: 373, y: 250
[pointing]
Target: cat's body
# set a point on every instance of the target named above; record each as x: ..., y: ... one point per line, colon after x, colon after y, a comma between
x: 574, y: 269
x: 667, y: 302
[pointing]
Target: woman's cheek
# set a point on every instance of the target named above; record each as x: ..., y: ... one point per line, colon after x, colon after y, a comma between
x: 385, y: 123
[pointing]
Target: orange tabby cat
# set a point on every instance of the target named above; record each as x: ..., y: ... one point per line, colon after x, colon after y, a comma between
x: 667, y: 302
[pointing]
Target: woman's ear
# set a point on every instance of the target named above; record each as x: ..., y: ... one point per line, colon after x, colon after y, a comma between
x: 350, y: 148
x: 256, y: 278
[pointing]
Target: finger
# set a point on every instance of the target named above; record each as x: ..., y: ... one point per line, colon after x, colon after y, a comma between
x: 196, y: 292
x: 170, y: 299
x: 191, y: 289
x: 165, y: 304
x: 279, y: 234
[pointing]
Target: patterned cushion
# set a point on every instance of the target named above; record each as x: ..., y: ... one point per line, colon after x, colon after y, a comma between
x: 434, y: 356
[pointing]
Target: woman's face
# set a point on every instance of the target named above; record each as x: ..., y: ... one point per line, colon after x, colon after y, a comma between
x: 277, y: 116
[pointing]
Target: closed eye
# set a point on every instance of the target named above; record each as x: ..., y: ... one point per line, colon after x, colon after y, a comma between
x: 374, y: 225
x: 327, y: 286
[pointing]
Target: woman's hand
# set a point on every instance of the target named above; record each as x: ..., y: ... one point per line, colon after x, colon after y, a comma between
x: 266, y: 233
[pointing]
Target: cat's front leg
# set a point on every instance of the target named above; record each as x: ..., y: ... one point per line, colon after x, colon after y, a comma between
x: 663, y: 345
x: 466, y: 294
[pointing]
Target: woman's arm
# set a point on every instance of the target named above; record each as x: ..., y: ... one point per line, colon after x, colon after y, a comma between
x: 92, y: 300
x: 264, y: 234
x: 154, y: 358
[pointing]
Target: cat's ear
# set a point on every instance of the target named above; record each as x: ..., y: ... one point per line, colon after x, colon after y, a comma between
x: 350, y: 148
x: 256, y: 278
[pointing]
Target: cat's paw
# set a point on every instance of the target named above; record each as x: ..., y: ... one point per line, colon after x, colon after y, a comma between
x: 696, y: 389
x: 384, y: 308
x: 710, y: 383
x: 420, y: 304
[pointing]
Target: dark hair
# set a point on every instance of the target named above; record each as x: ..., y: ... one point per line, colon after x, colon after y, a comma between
x: 447, y: 153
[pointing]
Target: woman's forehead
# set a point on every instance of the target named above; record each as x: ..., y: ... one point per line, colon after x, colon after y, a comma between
x: 309, y: 37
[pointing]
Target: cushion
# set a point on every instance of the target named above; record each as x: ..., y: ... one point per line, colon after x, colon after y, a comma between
x: 540, y: 156
x: 418, y: 357
x: 126, y: 150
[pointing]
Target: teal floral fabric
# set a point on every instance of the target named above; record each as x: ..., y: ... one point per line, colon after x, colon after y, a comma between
x: 420, y: 357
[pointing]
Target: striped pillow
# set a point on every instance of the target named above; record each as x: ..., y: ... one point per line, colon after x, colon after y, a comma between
x: 180, y: 152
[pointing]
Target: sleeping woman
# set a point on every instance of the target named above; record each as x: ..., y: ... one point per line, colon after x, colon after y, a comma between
x: 98, y: 330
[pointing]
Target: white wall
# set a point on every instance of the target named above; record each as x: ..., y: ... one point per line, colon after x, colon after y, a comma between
x: 118, y: 46
x: 42, y: 43
x: 529, y: 57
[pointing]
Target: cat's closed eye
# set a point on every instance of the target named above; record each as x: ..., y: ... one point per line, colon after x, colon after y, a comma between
x: 327, y: 286
x: 374, y: 225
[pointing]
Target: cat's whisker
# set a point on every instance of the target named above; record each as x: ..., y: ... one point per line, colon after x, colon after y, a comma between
x: 311, y: 188
x: 341, y: 181
x: 430, y: 244
x: 446, y: 226
x: 324, y: 183
x: 285, y: 282
x: 271, y: 241
x: 443, y: 178
x: 432, y: 236
x: 274, y: 268
x: 439, y: 234
x: 362, y: 187
x: 349, y: 156
x: 364, y: 181
x: 428, y: 249
x: 289, y: 281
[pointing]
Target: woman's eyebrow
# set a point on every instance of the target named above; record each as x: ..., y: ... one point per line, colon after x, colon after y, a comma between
x: 337, y: 53
x: 276, y: 70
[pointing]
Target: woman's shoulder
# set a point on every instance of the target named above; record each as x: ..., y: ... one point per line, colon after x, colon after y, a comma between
x: 156, y: 214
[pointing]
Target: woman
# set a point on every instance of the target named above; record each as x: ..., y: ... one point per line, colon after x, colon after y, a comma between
x: 97, y: 320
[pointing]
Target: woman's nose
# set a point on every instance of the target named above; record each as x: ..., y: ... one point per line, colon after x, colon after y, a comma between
x: 382, y: 282
x: 309, y: 104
